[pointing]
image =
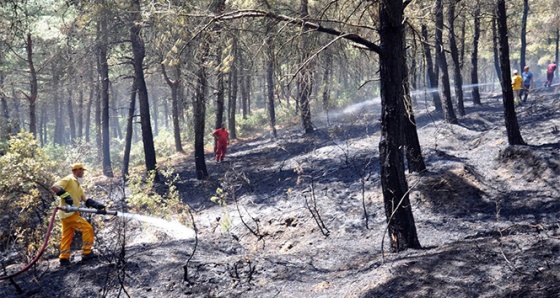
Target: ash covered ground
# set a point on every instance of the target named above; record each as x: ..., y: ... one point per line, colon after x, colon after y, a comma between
x: 303, y: 217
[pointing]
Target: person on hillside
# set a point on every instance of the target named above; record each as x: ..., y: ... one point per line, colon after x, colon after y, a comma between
x: 527, y: 83
x: 70, y: 191
x: 516, y: 82
x: 221, y: 136
x: 550, y: 73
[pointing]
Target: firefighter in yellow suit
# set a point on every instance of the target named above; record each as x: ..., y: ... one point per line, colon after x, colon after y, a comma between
x: 516, y: 82
x: 71, y: 193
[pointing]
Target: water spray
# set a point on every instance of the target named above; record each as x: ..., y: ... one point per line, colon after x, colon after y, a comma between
x: 171, y: 228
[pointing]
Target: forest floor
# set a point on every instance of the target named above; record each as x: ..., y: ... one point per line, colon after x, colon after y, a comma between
x: 303, y: 217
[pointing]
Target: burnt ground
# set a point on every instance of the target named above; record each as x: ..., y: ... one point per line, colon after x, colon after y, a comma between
x: 303, y: 217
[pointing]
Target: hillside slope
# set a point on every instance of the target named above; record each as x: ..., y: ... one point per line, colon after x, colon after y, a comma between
x: 303, y: 217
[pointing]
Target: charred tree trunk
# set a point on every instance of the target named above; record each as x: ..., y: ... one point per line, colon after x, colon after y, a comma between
x: 512, y: 127
x: 305, y: 81
x: 270, y: 80
x: 233, y: 87
x: 218, y: 7
x: 455, y: 56
x: 103, y: 72
x: 448, y: 111
x: 175, y: 86
x: 431, y: 69
x: 139, y: 54
x: 393, y: 73
x: 327, y: 81
x: 33, y: 86
x: 199, y: 112
x: 474, y: 56
x: 129, y: 129
x: 414, y: 158
x: 523, y: 49
x: 495, y: 47
x: 244, y: 72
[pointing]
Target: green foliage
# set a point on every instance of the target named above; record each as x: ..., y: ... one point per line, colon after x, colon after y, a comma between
x: 225, y: 219
x: 144, y: 199
x: 257, y: 120
x: 66, y: 155
x: 26, y: 174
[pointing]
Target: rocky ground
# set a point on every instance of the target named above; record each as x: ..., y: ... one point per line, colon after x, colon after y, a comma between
x: 303, y: 217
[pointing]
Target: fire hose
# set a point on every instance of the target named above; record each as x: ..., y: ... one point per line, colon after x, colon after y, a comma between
x: 49, y: 229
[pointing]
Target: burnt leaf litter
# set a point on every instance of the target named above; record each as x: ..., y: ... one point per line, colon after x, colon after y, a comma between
x: 303, y: 217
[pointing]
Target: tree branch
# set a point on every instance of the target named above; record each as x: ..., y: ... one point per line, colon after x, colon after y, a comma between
x: 252, y: 13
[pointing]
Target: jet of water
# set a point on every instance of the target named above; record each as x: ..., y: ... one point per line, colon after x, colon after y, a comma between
x: 171, y: 228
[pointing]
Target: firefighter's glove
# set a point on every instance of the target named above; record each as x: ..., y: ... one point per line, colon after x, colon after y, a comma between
x: 64, y: 195
x: 93, y: 204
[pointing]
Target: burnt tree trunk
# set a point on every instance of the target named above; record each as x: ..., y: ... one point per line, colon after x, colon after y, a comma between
x: 139, y: 54
x: 512, y: 127
x: 305, y: 81
x: 495, y: 47
x: 474, y: 56
x: 233, y: 88
x: 393, y: 74
x: 103, y: 72
x: 523, y: 49
x: 455, y: 57
x: 175, y: 86
x: 199, y: 112
x: 448, y: 111
x: 129, y: 130
x: 270, y: 78
x: 33, y: 86
x: 431, y: 70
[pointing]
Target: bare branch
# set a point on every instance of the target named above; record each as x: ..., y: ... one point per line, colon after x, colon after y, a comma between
x: 252, y: 13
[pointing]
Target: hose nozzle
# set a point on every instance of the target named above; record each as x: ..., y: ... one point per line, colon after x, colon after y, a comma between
x: 87, y: 210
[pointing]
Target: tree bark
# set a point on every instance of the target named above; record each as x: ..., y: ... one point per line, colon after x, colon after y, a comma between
x: 523, y: 49
x: 129, y: 130
x: 139, y: 54
x: 512, y: 127
x: 401, y: 227
x: 33, y: 86
x: 103, y: 72
x: 270, y: 79
x: 448, y: 111
x: 495, y: 47
x: 305, y: 81
x: 455, y: 57
x: 233, y: 88
x: 218, y: 7
x: 431, y: 69
x: 242, y: 84
x: 474, y: 56
x: 175, y: 85
x: 199, y: 112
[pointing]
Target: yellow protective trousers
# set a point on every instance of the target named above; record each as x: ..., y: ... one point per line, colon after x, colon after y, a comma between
x: 71, y: 224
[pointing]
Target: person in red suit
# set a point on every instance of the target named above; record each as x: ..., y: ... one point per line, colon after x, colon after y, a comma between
x: 550, y: 73
x: 221, y: 136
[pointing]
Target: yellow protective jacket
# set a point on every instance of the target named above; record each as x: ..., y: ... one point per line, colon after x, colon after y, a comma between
x: 516, y: 82
x: 72, y: 186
